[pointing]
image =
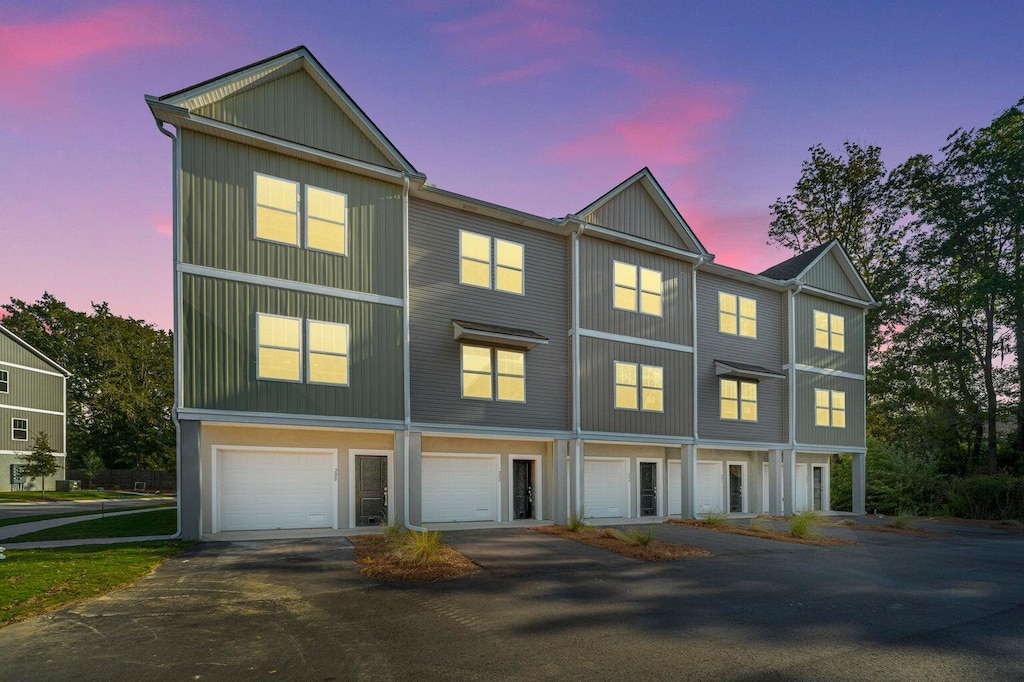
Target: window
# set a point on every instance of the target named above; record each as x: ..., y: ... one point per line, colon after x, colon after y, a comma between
x: 639, y: 387
x: 280, y: 347
x: 636, y: 289
x: 328, y: 353
x: 478, y: 363
x: 475, y: 262
x: 326, y: 220
x: 737, y: 315
x: 19, y: 429
x: 508, y: 266
x: 830, y: 408
x: 5, y: 384
x: 277, y: 209
x: 738, y: 400
x: 829, y: 331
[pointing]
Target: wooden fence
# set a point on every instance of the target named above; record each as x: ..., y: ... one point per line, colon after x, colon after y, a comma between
x: 125, y: 479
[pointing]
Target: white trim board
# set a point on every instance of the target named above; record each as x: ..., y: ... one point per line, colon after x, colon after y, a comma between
x: 31, y: 369
x: 635, y: 340
x: 390, y: 455
x: 31, y: 409
x: 826, y: 372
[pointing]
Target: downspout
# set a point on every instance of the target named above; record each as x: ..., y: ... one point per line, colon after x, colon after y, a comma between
x: 693, y: 314
x: 407, y: 388
x: 175, y: 237
x: 576, y: 421
x: 791, y: 294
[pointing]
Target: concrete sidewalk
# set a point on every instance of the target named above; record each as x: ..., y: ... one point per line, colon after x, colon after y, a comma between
x: 17, y: 529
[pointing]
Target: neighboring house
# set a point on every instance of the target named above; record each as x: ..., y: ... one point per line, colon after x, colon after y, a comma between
x: 354, y: 345
x: 33, y: 391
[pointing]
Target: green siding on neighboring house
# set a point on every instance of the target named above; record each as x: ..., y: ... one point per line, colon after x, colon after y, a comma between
x: 32, y: 389
x: 220, y: 352
x: 295, y: 108
x: 852, y: 359
x: 829, y: 275
x: 809, y: 434
x: 13, y: 352
x: 52, y: 424
x: 218, y: 229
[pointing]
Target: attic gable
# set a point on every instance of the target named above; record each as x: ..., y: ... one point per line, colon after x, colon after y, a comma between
x: 639, y: 207
x: 826, y: 267
x: 21, y: 353
x: 291, y: 97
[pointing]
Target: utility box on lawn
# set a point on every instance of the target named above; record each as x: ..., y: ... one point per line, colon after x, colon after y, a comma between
x: 68, y: 486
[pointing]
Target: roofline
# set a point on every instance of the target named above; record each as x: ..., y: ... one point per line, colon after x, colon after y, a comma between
x: 751, y: 277
x: 27, y: 346
x: 294, y: 53
x: 463, y: 202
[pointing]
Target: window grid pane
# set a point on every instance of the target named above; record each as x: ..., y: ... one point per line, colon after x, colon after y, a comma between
x: 475, y: 259
x: 652, y: 379
x: 728, y: 313
x: 626, y: 386
x: 511, y: 375
x: 328, y: 352
x: 625, y: 298
x: 626, y: 293
x: 279, y: 341
x: 748, y: 401
x: 5, y: 385
x: 19, y: 429
x: 476, y: 372
x: 748, y: 317
x: 728, y: 398
x: 277, y: 210
x: 508, y: 279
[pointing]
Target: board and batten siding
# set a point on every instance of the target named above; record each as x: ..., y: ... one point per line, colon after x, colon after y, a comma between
x: 220, y: 352
x: 218, y: 228
x: 634, y: 212
x: 52, y: 424
x: 436, y: 298
x: 829, y: 275
x: 768, y: 350
x: 597, y: 311
x: 807, y: 433
x: 597, y: 389
x: 852, y: 359
x: 33, y: 390
x: 296, y: 108
x: 13, y: 352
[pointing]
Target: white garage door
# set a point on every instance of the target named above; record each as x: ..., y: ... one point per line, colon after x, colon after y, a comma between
x: 675, y: 488
x: 710, y: 485
x: 606, y: 488
x: 261, y: 490
x: 803, y: 486
x: 460, y: 488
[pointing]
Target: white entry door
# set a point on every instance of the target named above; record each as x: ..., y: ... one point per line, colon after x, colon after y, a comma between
x: 605, y: 488
x: 463, y: 488
x: 675, y: 487
x: 710, y: 487
x: 801, y: 498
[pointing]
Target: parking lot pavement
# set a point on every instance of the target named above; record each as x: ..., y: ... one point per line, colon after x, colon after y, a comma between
x: 888, y: 608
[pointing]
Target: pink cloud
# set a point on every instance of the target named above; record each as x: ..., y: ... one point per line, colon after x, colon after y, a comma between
x: 163, y: 226
x: 520, y: 26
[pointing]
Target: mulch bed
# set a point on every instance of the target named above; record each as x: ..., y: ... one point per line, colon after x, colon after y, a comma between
x: 657, y: 550
x: 766, y: 533
x: 915, y: 532
x: 380, y: 562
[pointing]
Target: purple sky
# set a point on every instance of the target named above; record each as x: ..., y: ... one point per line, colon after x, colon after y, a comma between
x: 540, y: 105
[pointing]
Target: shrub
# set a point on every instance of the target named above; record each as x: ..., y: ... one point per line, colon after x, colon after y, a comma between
x: 641, y: 537
x: 714, y: 519
x: 986, y: 497
x: 903, y: 518
x: 804, y: 524
x: 393, y: 533
x: 576, y: 524
x: 420, y: 547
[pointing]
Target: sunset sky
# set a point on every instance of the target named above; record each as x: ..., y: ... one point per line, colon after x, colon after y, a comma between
x: 539, y: 105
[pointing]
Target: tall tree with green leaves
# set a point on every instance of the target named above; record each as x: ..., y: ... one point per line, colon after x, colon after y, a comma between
x: 39, y: 462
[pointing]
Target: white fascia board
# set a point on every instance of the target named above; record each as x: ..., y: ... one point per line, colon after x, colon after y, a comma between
x: 30, y: 409
x: 806, y: 449
x: 436, y: 195
x: 606, y: 234
x: 634, y: 438
x: 635, y: 340
x: 838, y: 298
x: 474, y: 431
x: 755, y: 446
x: 32, y: 369
x: 243, y: 78
x: 281, y: 419
x: 21, y: 342
x: 743, y: 276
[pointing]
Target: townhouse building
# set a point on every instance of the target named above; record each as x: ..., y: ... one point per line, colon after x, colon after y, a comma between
x: 356, y: 346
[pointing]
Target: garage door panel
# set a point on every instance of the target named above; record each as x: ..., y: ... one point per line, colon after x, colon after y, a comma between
x: 271, y: 490
x: 606, y: 488
x: 709, y: 487
x: 459, y: 489
x: 675, y: 487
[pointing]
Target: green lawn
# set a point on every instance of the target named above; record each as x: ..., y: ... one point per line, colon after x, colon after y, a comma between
x: 43, y: 517
x: 54, y: 496
x: 160, y: 522
x: 34, y: 581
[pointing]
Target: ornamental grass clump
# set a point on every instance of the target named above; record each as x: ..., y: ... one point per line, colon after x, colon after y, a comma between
x: 804, y: 524
x: 903, y: 518
x: 714, y: 519
x: 576, y: 524
x: 615, y: 534
x: 420, y: 547
x: 641, y: 537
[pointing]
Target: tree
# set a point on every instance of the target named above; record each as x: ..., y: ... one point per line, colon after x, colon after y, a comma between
x: 855, y: 200
x: 39, y: 462
x: 92, y: 465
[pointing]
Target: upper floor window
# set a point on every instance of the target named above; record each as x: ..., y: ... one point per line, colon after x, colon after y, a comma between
x: 280, y: 347
x: 738, y: 400
x: 327, y: 358
x: 829, y: 331
x: 478, y: 376
x: 639, y: 387
x: 636, y: 289
x: 5, y: 384
x: 278, y: 209
x: 737, y: 315
x: 829, y: 408
x: 475, y: 262
x: 19, y: 429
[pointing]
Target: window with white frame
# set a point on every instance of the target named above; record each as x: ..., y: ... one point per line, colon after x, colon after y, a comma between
x: 639, y: 387
x: 737, y: 315
x: 278, y: 210
x: 326, y: 218
x: 737, y: 400
x: 636, y: 289
x: 481, y: 381
x: 280, y: 347
x: 19, y: 429
x: 5, y: 383
x: 491, y: 263
x: 830, y: 408
x: 829, y: 331
x: 327, y: 356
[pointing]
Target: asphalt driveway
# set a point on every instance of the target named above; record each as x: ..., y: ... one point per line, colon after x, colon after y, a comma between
x: 890, y: 607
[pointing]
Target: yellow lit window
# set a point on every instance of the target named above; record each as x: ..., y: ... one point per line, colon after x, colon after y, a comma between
x: 328, y: 353
x: 624, y: 280
x: 737, y: 400
x: 280, y: 347
x: 626, y: 381
x: 830, y: 408
x: 829, y: 331
x: 476, y: 372
x: 326, y: 220
x: 636, y: 289
x: 737, y: 315
x: 475, y: 256
x: 277, y: 209
x: 511, y: 375
x: 653, y: 388
x: 508, y: 264
x: 650, y: 292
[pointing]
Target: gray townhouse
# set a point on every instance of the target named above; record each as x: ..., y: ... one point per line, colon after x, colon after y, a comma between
x: 356, y: 346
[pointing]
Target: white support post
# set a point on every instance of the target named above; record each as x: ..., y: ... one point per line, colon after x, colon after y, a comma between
x: 688, y: 484
x: 859, y: 466
x: 775, y: 482
x: 788, y: 482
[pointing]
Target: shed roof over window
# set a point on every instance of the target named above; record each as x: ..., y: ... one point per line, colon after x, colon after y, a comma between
x: 497, y: 335
x: 744, y: 371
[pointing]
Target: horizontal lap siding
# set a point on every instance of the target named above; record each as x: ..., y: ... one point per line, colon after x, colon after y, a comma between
x: 597, y: 389
x: 220, y: 352
x: 596, y: 293
x: 768, y: 350
x: 806, y: 431
x: 436, y: 298
x: 852, y: 359
x: 218, y: 229
x: 32, y: 389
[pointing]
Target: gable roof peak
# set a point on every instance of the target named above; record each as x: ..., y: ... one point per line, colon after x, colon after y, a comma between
x: 793, y: 267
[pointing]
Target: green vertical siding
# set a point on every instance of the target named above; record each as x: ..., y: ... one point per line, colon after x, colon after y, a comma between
x: 52, y: 424
x: 218, y: 229
x: 33, y: 389
x: 12, y: 351
x: 296, y: 108
x: 852, y: 359
x: 220, y: 352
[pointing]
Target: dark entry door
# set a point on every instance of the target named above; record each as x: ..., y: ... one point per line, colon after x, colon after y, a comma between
x: 522, y: 488
x: 648, y: 489
x: 817, y: 473
x: 371, y: 490
x: 735, y: 488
